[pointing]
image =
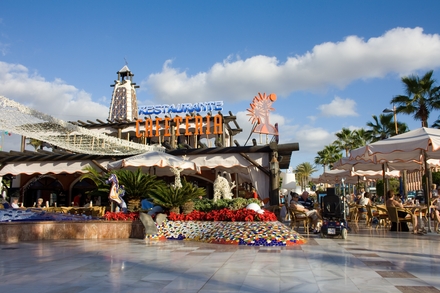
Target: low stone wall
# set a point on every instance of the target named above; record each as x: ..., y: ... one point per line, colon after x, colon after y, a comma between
x: 25, y: 231
x: 238, y: 233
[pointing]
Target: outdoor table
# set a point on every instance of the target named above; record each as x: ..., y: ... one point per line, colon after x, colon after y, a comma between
x: 418, y: 210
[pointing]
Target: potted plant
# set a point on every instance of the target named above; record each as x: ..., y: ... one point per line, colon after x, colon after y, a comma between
x: 172, y: 198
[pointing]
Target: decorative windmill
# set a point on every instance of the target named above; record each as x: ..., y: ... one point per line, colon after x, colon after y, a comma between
x: 259, y: 111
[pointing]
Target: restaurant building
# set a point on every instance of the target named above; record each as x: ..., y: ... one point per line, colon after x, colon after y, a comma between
x: 200, y: 132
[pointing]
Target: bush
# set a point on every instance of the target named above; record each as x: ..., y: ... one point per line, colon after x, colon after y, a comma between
x: 207, y: 205
x: 168, y: 196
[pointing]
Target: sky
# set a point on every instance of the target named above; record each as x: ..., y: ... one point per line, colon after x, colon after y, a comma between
x: 332, y: 64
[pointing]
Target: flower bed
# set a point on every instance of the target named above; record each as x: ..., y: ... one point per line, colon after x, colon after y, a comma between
x: 225, y: 226
x: 228, y: 215
x: 120, y: 216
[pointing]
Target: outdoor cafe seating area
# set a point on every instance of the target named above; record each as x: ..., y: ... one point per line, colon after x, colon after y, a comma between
x: 376, y: 216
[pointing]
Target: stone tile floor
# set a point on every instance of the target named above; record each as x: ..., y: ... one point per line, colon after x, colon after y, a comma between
x: 369, y: 260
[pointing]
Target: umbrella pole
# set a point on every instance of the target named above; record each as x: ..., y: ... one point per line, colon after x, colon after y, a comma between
x: 385, y: 185
x: 428, y: 183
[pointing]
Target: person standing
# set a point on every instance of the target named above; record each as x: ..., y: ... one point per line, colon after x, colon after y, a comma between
x: 77, y: 200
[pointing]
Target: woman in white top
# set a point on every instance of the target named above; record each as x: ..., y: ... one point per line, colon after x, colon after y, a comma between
x: 364, y: 201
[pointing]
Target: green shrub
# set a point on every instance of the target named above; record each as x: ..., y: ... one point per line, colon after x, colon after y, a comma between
x: 207, y: 205
x: 169, y: 197
x: 203, y: 204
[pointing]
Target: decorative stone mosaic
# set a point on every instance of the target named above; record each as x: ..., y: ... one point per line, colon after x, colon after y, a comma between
x: 237, y: 233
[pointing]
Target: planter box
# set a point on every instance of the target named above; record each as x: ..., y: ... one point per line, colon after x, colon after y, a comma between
x: 50, y: 230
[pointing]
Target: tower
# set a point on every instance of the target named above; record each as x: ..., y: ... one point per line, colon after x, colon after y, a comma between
x: 124, y: 105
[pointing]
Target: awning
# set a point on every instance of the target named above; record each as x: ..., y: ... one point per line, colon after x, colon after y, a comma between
x: 56, y: 167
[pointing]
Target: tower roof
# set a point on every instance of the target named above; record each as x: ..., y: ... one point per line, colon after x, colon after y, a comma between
x: 125, y: 71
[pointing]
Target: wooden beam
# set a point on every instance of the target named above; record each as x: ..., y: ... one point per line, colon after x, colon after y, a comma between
x: 255, y: 164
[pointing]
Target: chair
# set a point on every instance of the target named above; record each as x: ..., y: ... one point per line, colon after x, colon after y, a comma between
x: 266, y: 200
x: 369, y: 215
x: 298, y: 216
x: 434, y: 218
x: 352, y: 211
x: 382, y: 215
x: 360, y: 213
x: 394, y: 216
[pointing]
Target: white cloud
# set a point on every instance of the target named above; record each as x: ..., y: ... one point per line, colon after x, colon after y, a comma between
x: 55, y: 98
x: 328, y: 64
x: 339, y: 107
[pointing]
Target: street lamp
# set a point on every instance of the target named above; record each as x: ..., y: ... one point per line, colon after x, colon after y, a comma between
x: 386, y: 110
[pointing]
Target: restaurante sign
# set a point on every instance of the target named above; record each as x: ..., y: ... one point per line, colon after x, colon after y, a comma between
x: 200, y: 125
x: 181, y: 108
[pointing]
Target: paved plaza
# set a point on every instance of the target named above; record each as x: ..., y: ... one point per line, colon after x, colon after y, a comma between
x: 370, y: 260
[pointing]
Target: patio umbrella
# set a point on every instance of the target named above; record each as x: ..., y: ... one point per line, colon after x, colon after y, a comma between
x: 156, y: 163
x: 335, y: 175
x: 413, y: 145
x: 378, y: 165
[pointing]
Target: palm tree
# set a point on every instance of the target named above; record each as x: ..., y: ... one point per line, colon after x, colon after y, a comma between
x: 102, y: 188
x: 360, y: 138
x: 420, y: 99
x: 345, y: 141
x: 303, y: 172
x: 328, y: 156
x: 384, y: 127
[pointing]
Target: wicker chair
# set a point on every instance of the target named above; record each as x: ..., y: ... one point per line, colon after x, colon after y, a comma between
x: 369, y: 216
x: 394, y: 216
x: 296, y: 217
x: 382, y: 215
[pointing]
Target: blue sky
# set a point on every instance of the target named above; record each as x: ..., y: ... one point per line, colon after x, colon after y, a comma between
x: 332, y: 64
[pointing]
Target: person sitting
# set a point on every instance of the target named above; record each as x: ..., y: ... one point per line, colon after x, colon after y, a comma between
x: 14, y: 203
x: 305, y: 201
x: 39, y: 203
x: 434, y: 192
x: 312, y: 214
x: 391, y: 202
x: 364, y: 201
x: 254, y: 193
x: 87, y: 203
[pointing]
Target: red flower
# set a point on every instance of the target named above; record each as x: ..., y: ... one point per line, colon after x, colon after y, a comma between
x: 224, y: 215
x: 120, y: 216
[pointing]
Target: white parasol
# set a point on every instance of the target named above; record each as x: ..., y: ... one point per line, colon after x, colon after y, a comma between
x: 155, y: 163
